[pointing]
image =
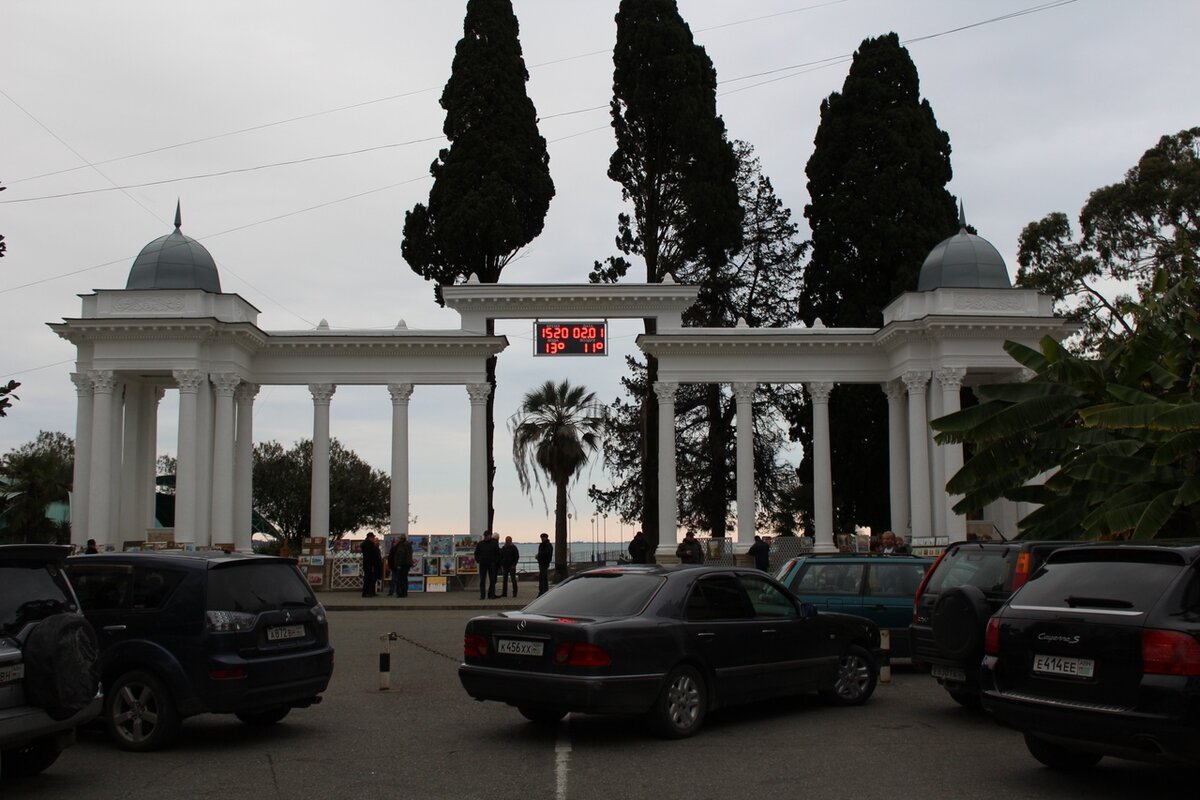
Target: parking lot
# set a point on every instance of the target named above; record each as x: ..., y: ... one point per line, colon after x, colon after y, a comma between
x: 426, y: 739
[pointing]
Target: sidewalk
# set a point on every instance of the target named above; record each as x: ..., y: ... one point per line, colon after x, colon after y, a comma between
x: 352, y: 600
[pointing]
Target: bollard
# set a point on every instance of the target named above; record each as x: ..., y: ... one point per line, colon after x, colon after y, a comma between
x: 385, y: 660
x: 885, y: 662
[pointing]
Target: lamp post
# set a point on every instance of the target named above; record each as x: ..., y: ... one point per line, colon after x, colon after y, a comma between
x: 594, y: 527
x: 568, y: 559
x: 604, y: 545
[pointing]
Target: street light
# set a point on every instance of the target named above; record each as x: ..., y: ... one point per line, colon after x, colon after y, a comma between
x: 594, y: 527
x: 568, y: 553
x: 604, y: 546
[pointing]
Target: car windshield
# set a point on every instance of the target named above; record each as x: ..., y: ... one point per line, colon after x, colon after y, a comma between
x: 31, y: 592
x: 1101, y: 579
x: 598, y: 594
x: 256, y: 587
x: 985, y: 569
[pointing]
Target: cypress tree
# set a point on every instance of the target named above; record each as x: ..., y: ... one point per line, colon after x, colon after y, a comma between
x: 492, y: 185
x: 677, y: 169
x: 877, y: 183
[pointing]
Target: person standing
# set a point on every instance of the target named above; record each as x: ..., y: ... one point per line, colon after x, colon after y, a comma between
x: 399, y: 562
x: 509, y: 556
x: 487, y: 557
x: 91, y: 547
x: 638, y: 548
x: 372, y: 565
x: 689, y: 550
x: 545, y: 555
x: 761, y: 551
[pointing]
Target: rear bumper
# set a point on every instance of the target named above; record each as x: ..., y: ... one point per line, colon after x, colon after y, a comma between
x: 24, y: 724
x: 590, y: 694
x: 291, y: 680
x: 1125, y: 733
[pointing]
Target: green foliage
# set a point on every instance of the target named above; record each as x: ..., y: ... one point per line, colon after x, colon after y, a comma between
x: 1149, y: 223
x: 877, y: 182
x: 7, y: 396
x: 32, y: 477
x: 759, y: 285
x: 359, y: 497
x: 492, y: 186
x: 554, y: 433
x: 1117, y: 437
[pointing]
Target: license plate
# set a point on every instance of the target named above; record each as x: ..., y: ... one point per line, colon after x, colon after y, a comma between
x: 1061, y: 665
x: 517, y: 647
x: 281, y: 632
x: 947, y: 673
x: 12, y: 673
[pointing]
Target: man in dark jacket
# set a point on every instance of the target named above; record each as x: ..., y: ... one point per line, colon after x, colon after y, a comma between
x: 545, y: 555
x: 399, y: 562
x: 509, y: 556
x: 638, y: 549
x: 689, y: 550
x: 761, y: 552
x: 372, y: 565
x: 487, y: 557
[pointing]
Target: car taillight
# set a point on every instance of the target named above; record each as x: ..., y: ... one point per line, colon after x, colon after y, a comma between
x: 474, y: 646
x: 1022, y: 573
x: 1170, y: 653
x: 991, y: 638
x: 925, y: 582
x: 223, y: 621
x: 582, y: 655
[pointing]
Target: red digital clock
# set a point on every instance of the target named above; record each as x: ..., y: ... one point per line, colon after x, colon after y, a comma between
x: 570, y: 338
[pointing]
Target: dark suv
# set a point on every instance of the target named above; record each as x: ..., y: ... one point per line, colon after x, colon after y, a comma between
x: 1099, y: 654
x: 49, y: 679
x: 968, y: 583
x: 183, y: 633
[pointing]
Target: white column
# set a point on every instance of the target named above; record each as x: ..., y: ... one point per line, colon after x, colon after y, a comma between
x: 133, y: 502
x: 897, y: 457
x: 186, y: 464
x: 918, y: 454
x: 100, y: 485
x: 204, y: 463
x: 243, y: 468
x: 224, y: 385
x: 951, y: 379
x: 322, y: 393
x: 147, y: 456
x: 818, y: 393
x: 743, y: 393
x: 117, y: 487
x: 937, y: 469
x: 400, y: 393
x: 478, y: 394
x: 668, y: 502
x: 81, y: 480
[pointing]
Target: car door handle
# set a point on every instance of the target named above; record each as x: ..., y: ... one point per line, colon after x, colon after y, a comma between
x: 114, y: 627
x: 705, y: 635
x: 768, y: 630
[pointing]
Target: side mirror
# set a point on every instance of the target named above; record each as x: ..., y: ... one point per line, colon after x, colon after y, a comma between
x: 808, y: 610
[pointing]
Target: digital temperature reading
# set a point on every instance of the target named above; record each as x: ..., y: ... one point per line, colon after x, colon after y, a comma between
x: 570, y: 338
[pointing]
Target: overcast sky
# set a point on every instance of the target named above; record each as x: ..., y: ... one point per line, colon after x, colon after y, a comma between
x: 202, y: 101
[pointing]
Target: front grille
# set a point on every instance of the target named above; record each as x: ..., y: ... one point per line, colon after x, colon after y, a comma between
x: 1073, y: 704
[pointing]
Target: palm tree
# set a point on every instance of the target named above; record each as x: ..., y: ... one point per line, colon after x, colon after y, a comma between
x: 554, y: 432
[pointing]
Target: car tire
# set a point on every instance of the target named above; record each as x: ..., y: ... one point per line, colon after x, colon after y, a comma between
x: 680, y: 708
x: 263, y: 716
x: 857, y: 675
x: 139, y: 712
x: 966, y: 699
x: 1058, y: 757
x: 61, y: 665
x: 959, y: 619
x: 32, y: 759
x: 542, y: 716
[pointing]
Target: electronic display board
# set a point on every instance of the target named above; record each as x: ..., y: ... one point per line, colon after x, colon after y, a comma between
x: 570, y: 338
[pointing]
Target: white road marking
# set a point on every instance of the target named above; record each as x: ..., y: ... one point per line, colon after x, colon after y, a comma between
x: 562, y: 760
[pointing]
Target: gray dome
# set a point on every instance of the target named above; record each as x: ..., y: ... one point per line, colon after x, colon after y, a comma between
x: 174, y: 261
x: 964, y: 261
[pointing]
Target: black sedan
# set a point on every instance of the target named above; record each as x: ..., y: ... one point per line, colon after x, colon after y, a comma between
x: 670, y: 643
x: 1099, y: 654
